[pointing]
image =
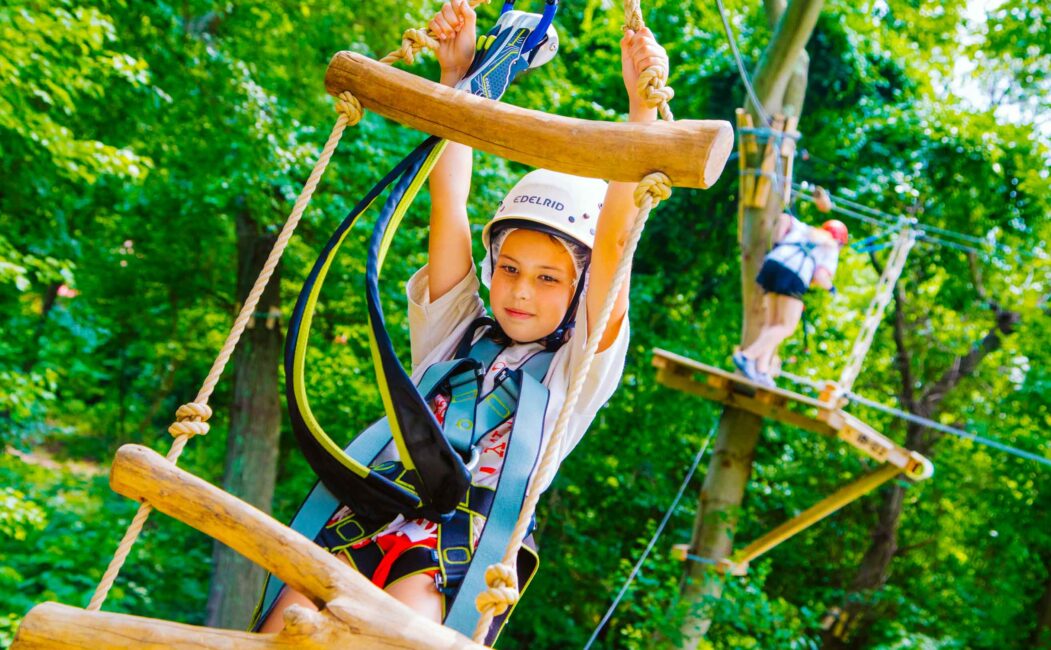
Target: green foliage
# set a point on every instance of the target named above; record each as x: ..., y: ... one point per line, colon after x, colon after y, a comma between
x: 132, y: 134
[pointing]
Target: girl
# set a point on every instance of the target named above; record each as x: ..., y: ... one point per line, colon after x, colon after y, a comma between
x: 551, y: 251
x: 802, y: 257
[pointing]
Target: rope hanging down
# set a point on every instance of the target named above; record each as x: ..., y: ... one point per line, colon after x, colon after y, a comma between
x: 503, y: 590
x: 656, y: 535
x: 191, y: 419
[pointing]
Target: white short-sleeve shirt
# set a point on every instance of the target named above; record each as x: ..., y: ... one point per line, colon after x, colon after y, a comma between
x: 435, y: 331
x: 436, y: 328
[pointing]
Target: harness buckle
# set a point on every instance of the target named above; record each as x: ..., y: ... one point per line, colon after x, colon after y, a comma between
x: 475, y: 456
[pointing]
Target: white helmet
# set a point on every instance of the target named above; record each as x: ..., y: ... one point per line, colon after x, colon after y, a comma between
x: 562, y: 204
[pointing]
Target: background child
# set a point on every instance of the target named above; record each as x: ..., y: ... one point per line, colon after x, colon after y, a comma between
x: 551, y: 252
x: 802, y: 257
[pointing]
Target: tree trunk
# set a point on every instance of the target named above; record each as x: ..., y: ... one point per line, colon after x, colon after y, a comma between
x: 780, y: 79
x: 255, y: 423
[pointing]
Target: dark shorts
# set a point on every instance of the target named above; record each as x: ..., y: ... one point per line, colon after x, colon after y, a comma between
x: 775, y: 277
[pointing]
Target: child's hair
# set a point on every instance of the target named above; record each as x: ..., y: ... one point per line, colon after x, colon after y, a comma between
x: 581, y: 256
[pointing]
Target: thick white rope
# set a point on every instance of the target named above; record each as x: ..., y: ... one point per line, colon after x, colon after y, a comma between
x: 191, y: 418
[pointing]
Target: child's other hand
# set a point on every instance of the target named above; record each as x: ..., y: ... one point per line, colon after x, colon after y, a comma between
x: 639, y: 51
x: 454, y: 27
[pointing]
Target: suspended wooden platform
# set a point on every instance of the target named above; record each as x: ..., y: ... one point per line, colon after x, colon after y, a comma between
x: 824, y: 416
x: 354, y: 613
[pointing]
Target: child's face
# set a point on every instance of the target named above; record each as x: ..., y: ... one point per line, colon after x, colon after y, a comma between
x: 532, y: 285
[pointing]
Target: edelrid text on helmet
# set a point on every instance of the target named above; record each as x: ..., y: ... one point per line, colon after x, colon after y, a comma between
x: 562, y: 204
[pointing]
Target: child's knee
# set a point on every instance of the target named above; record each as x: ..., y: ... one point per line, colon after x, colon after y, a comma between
x: 420, y: 593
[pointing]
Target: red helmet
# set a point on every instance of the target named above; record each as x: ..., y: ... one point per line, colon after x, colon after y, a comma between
x: 837, y: 229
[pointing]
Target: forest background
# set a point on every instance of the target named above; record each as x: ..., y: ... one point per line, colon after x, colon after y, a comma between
x: 146, y: 148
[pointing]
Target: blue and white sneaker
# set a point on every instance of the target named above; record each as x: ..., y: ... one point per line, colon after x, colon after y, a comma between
x: 764, y: 379
x: 506, y: 51
x: 746, y: 366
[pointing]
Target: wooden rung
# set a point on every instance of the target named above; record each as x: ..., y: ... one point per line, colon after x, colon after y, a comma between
x: 744, y: 120
x: 768, y: 168
x: 692, y: 153
x: 355, y: 612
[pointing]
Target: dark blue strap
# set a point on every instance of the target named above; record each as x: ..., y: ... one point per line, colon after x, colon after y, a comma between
x: 522, y: 456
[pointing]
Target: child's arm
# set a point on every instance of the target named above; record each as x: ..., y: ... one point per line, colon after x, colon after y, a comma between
x: 822, y: 278
x: 827, y: 254
x: 638, y: 51
x: 449, y: 243
x: 782, y: 226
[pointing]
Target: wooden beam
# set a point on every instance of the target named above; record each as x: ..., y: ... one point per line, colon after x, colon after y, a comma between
x: 144, y: 475
x: 822, y: 417
x: 52, y: 626
x: 356, y: 613
x: 692, y: 153
x: 841, y: 497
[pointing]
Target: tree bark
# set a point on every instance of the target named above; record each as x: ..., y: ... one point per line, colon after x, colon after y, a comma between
x: 255, y: 424
x: 781, y: 78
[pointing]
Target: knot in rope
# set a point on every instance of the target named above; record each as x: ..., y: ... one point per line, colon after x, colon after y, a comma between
x: 652, y: 189
x: 654, y: 89
x: 191, y: 420
x: 502, y: 592
x: 412, y: 41
x: 349, y: 106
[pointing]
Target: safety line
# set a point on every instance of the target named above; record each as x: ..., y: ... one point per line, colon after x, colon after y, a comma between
x: 656, y: 535
x: 960, y: 433
x: 740, y: 66
x: 922, y: 421
x: 876, y: 216
x: 779, y: 175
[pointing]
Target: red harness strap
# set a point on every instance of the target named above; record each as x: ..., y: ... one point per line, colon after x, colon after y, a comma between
x: 394, y: 546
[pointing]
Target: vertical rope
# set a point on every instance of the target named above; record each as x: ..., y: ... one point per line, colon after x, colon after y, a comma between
x: 501, y: 578
x: 414, y: 40
x: 653, y: 82
x: 191, y: 419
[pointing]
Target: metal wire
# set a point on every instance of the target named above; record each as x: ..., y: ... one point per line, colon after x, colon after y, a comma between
x: 922, y: 421
x: 656, y: 535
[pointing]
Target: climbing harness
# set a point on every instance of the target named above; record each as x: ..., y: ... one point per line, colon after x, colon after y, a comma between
x: 471, y: 416
x: 432, y: 479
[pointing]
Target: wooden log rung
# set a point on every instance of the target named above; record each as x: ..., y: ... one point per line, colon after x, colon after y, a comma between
x: 692, y: 153
x: 355, y: 612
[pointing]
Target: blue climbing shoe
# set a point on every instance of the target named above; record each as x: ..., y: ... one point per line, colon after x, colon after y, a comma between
x: 746, y: 366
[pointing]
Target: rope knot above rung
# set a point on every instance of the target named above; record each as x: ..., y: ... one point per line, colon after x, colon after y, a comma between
x: 191, y: 419
x: 349, y: 106
x: 654, y: 89
x: 654, y: 188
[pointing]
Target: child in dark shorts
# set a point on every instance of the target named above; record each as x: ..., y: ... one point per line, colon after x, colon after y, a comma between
x: 802, y: 257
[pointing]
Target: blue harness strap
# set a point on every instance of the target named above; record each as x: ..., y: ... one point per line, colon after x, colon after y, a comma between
x: 320, y: 504
x: 522, y: 454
